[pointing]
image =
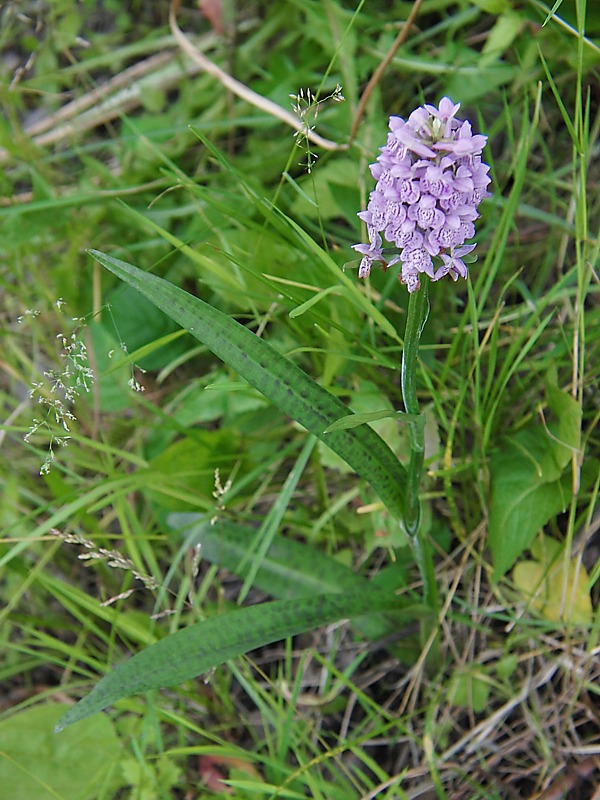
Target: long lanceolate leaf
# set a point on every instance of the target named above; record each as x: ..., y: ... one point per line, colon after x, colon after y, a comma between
x: 290, y: 568
x: 198, y: 648
x: 275, y: 376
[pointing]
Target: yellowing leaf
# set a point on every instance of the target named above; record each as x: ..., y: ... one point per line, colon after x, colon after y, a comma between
x: 542, y: 583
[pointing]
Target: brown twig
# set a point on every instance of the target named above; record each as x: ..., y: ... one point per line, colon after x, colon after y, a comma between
x: 400, y: 39
x: 92, y: 98
x: 241, y: 90
x: 101, y: 105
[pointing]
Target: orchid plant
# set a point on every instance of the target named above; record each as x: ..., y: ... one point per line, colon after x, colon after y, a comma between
x: 430, y: 181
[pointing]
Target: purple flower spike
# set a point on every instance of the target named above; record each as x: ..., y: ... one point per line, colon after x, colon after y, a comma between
x: 430, y: 181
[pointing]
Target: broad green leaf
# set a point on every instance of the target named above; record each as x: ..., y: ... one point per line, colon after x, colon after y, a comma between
x: 336, y: 183
x: 527, y: 484
x: 523, y: 499
x: 506, y: 667
x: 278, y: 378
x: 187, y: 466
x: 140, y: 323
x: 112, y: 374
x: 568, y: 431
x: 198, y: 648
x: 469, y: 688
x: 493, y: 6
x: 35, y: 764
x: 501, y: 37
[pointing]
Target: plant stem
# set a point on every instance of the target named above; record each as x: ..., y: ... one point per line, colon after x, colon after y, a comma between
x: 418, y: 310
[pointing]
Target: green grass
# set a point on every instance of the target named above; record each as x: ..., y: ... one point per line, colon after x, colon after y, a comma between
x: 211, y: 193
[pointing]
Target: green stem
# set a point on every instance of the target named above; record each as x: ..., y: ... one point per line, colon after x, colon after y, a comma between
x: 418, y: 310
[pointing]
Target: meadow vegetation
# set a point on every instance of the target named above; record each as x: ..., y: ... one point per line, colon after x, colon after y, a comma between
x: 171, y: 466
